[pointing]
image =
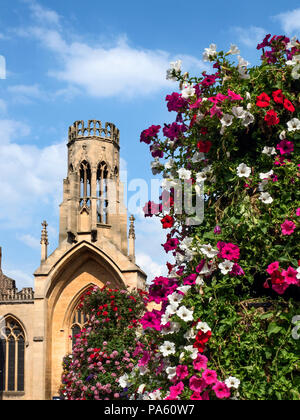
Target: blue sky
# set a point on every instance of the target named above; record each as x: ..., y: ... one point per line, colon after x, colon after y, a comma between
x: 71, y: 60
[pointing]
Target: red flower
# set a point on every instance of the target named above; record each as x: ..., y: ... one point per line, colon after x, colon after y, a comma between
x: 278, y: 96
x: 167, y: 222
x: 204, y: 146
x: 288, y: 105
x: 271, y: 117
x: 276, y: 277
x: 263, y: 100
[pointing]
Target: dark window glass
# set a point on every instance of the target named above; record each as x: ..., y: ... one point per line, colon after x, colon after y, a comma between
x: 11, y: 363
x: 2, y: 364
x: 21, y: 362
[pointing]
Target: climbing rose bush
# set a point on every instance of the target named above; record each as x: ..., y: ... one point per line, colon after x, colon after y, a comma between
x: 104, y: 352
x: 222, y: 325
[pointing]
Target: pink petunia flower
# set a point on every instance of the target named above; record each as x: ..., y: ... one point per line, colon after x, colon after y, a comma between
x: 221, y: 390
x: 273, y: 267
x: 288, y: 227
x: 298, y: 211
x: 285, y: 147
x: 290, y: 276
x: 182, y: 372
x: 210, y: 376
x: 200, y: 363
x: 197, y: 384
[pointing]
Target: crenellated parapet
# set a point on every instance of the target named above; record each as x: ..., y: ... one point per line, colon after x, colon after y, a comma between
x: 94, y: 128
x: 13, y: 295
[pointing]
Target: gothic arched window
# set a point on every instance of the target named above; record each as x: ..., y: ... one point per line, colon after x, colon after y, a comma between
x: 85, y: 184
x: 79, y: 321
x: 102, y: 193
x: 12, y: 356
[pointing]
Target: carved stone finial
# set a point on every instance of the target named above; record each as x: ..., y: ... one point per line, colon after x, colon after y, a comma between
x: 131, y: 228
x: 44, y: 236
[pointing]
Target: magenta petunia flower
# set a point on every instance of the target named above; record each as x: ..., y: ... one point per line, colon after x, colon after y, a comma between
x: 200, y: 363
x: 288, y: 227
x: 182, y: 371
x: 210, y: 376
x: 298, y: 211
x: 290, y: 276
x: 273, y: 267
x: 285, y: 147
x: 221, y: 390
x: 197, y: 384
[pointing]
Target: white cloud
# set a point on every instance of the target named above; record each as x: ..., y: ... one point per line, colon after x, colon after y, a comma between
x: 25, y: 93
x: 101, y: 70
x: 151, y: 268
x: 29, y: 176
x: 290, y: 21
x: 250, y: 36
x: 42, y: 14
x: 30, y: 241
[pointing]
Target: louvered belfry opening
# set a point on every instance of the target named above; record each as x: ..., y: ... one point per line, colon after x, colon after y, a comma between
x: 102, y: 193
x: 85, y: 184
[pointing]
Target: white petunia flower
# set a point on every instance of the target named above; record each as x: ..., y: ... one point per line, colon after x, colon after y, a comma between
x: 226, y: 120
x: 156, y: 395
x: 269, y: 151
x: 165, y: 319
x: 234, y: 50
x: 262, y: 184
x: 200, y: 281
x: 238, y: 111
x: 198, y: 157
x: 174, y: 327
x: 266, y: 175
x: 226, y: 266
x: 203, y: 326
x: 171, y: 309
x: 169, y: 164
x: 188, y: 91
x: 201, y: 177
x: 174, y: 65
x: 210, y: 52
x: 242, y: 62
x: 167, y: 348
x: 190, y: 334
x: 191, y: 349
x: 171, y: 372
x: 186, y: 243
x: 243, y: 171
x: 293, y: 43
x: 185, y: 314
x: 296, y: 72
x: 175, y: 298
x: 209, y: 251
x: 184, y: 173
x: 184, y: 289
x: 156, y: 166
x: 265, y: 198
x: 298, y: 273
x: 232, y: 382
x: 248, y: 119
x: 293, y: 124
x: 282, y: 135
x: 123, y: 381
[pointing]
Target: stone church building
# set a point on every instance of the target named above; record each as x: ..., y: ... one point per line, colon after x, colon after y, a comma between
x: 37, y: 326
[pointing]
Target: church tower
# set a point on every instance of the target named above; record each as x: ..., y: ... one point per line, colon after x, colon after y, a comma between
x: 92, y: 207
